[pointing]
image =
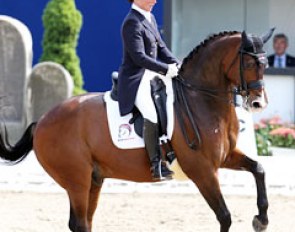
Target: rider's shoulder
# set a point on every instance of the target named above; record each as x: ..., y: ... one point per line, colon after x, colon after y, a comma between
x: 131, y: 22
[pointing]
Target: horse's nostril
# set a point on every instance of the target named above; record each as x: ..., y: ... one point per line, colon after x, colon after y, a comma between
x: 256, y: 105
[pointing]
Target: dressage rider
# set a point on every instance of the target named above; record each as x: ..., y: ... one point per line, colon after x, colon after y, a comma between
x: 144, y: 52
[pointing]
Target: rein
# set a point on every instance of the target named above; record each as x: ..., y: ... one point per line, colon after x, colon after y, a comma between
x: 181, y: 98
x: 215, y: 93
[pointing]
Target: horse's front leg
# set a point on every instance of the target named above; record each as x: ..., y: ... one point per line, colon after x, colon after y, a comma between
x: 208, y: 185
x: 238, y: 161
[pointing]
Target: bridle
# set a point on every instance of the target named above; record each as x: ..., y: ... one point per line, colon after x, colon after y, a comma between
x: 242, y: 89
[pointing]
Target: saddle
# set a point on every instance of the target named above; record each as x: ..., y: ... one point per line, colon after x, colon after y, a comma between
x: 159, y: 96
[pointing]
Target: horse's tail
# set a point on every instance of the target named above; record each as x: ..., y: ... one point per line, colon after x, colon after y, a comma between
x: 17, y: 153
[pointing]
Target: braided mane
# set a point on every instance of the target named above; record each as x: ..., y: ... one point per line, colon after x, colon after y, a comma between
x: 203, y: 44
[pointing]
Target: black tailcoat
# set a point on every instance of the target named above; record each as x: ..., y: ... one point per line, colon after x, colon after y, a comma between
x: 143, y: 48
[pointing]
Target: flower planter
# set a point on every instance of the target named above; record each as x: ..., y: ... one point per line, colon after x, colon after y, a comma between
x: 281, y: 151
x: 277, y: 133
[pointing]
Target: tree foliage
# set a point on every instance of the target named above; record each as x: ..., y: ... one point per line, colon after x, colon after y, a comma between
x: 62, y: 24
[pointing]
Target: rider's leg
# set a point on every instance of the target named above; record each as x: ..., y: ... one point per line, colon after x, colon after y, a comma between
x: 146, y: 106
x: 159, y: 168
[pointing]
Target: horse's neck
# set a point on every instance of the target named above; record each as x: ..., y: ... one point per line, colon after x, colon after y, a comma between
x: 206, y: 73
x: 206, y: 69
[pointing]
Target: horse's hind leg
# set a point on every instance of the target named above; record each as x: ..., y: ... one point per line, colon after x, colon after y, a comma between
x: 78, y: 212
x: 78, y: 190
x: 83, y: 201
x: 238, y: 161
x: 208, y: 185
x: 74, y: 223
x: 93, y: 201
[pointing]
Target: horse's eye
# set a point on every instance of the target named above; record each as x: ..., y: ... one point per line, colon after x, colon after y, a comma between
x: 250, y: 65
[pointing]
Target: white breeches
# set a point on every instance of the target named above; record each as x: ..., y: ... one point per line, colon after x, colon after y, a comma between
x: 144, y: 101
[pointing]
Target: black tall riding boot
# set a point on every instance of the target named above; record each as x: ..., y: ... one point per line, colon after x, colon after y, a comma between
x: 159, y: 168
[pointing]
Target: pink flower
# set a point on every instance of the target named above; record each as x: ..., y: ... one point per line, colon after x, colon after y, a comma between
x: 283, y: 131
x: 276, y: 120
x: 260, y: 125
x: 264, y: 120
x: 256, y: 126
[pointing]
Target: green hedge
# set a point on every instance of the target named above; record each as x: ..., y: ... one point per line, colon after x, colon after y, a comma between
x: 62, y: 24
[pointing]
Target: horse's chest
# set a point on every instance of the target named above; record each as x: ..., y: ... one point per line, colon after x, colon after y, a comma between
x: 218, y: 138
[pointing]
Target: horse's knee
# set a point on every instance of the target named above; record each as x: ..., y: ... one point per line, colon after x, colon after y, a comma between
x: 224, y: 219
x: 259, y: 170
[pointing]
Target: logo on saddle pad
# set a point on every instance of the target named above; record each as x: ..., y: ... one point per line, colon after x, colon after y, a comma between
x: 124, y: 132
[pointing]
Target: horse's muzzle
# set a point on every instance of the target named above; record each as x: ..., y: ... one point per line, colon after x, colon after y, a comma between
x: 258, y: 103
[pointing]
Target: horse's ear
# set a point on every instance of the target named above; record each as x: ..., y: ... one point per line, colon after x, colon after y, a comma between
x: 267, y: 35
x: 245, y: 40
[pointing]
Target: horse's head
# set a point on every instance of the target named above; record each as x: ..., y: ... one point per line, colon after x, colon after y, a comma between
x: 252, y: 63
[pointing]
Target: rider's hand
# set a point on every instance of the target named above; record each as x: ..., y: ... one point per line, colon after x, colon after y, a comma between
x: 172, y: 70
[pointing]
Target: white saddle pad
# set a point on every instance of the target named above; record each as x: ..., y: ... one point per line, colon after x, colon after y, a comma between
x: 123, y: 133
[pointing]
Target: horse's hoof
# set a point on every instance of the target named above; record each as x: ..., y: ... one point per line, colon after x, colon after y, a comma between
x: 258, y: 226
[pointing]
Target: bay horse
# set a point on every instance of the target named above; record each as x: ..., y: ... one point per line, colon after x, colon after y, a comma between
x: 72, y: 141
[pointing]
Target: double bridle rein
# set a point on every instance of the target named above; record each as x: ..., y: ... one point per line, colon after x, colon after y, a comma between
x: 222, y: 95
